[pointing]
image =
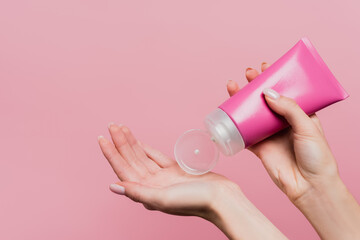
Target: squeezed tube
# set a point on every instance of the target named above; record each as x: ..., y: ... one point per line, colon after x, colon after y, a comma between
x: 245, y: 119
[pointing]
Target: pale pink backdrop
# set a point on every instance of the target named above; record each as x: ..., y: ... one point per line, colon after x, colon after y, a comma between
x: 69, y: 67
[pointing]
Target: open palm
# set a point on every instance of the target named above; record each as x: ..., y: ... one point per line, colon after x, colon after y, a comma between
x: 155, y: 180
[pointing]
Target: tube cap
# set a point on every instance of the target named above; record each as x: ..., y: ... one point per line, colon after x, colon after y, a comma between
x: 224, y: 131
x: 196, y: 152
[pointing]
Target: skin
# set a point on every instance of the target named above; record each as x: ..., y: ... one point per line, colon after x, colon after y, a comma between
x: 155, y: 180
x: 298, y: 160
x: 298, y: 156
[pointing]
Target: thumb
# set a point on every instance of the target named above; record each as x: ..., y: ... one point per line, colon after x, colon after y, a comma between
x: 299, y: 121
x: 137, y: 192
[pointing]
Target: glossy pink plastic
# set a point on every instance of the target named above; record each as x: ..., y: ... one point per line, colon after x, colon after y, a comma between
x: 300, y: 74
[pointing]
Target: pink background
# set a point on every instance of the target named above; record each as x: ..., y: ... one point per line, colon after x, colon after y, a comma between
x: 67, y: 68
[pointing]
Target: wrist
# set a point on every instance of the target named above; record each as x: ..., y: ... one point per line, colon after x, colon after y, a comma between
x: 331, y: 209
x: 225, y: 194
x: 237, y: 217
x: 321, y: 190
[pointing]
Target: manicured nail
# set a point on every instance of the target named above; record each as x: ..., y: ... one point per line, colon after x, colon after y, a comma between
x: 271, y: 93
x: 110, y: 124
x: 248, y: 69
x: 117, y: 189
x: 100, y: 137
x: 263, y: 63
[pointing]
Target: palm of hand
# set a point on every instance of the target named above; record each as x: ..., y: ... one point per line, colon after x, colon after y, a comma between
x: 181, y: 193
x: 279, y: 159
x: 154, y: 179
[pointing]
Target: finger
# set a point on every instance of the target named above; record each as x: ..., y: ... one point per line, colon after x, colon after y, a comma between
x: 139, y: 193
x: 125, y: 150
x: 317, y: 122
x: 232, y: 87
x: 264, y: 66
x: 139, y: 151
x: 251, y: 74
x: 161, y: 159
x: 118, y: 164
x: 288, y: 108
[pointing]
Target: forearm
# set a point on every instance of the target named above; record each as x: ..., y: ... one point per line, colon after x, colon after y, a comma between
x: 332, y: 210
x: 238, y: 218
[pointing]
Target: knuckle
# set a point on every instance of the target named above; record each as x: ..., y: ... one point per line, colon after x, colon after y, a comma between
x: 291, y: 107
x: 291, y: 103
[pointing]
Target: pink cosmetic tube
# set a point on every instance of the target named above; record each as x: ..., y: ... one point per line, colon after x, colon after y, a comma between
x: 245, y: 119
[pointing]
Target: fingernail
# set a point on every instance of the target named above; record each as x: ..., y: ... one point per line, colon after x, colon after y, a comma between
x: 263, y: 63
x: 271, y: 93
x: 248, y: 69
x: 117, y: 189
x: 110, y: 124
x: 99, y: 137
x: 120, y: 125
x: 229, y: 81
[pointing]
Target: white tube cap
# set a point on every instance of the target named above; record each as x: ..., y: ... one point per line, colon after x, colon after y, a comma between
x: 197, y: 151
x: 224, y: 132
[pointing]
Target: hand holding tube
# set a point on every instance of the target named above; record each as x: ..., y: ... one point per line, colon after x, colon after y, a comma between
x: 300, y: 162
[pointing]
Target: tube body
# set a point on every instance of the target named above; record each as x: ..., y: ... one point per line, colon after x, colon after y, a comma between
x: 300, y: 74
